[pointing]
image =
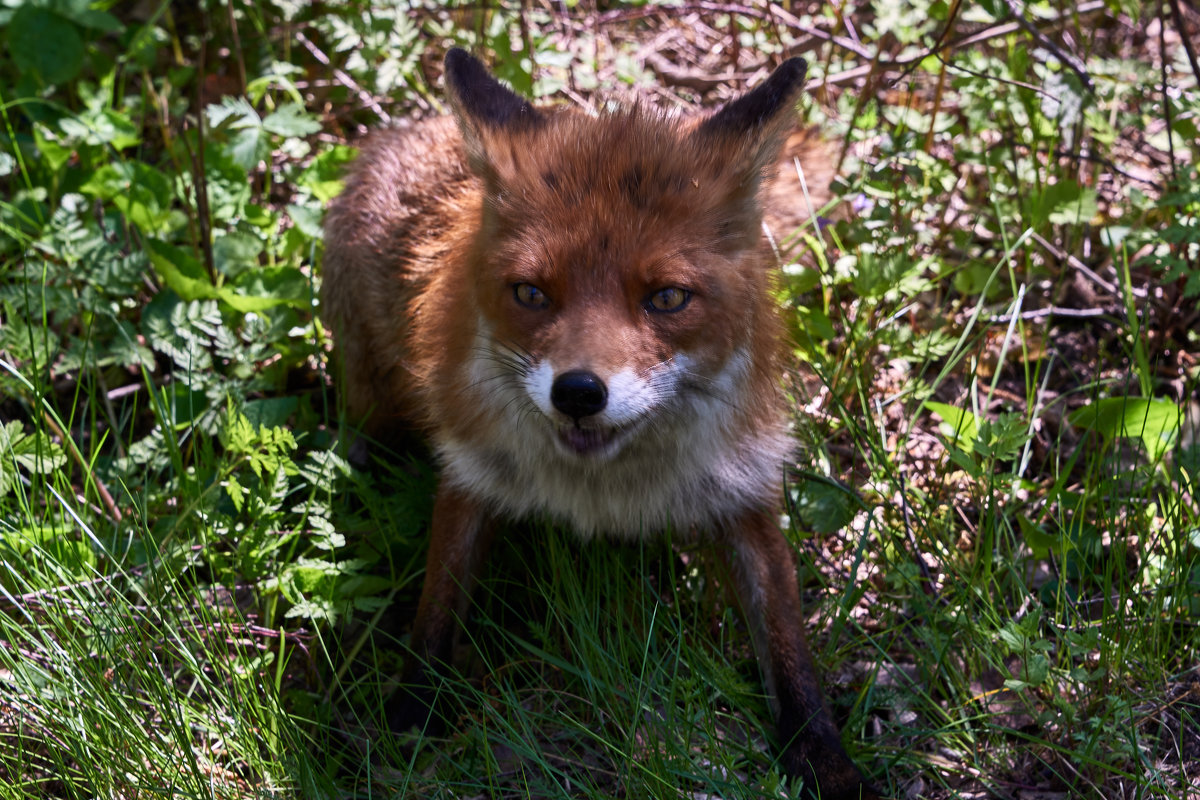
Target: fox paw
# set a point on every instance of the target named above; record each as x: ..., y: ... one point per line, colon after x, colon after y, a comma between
x: 829, y: 775
x: 414, y: 707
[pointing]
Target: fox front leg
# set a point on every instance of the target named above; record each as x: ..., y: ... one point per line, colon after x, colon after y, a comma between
x: 460, y: 535
x: 769, y: 593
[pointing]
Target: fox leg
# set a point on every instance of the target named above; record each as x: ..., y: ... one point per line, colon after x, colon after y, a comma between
x: 765, y: 575
x: 459, y: 539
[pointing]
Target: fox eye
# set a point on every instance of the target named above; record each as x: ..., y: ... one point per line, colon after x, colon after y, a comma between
x: 671, y: 298
x: 530, y: 296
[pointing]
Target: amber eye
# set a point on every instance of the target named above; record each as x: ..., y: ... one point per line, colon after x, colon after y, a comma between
x: 530, y: 296
x: 671, y: 298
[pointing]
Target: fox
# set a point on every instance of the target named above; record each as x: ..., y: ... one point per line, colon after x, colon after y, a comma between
x: 575, y: 312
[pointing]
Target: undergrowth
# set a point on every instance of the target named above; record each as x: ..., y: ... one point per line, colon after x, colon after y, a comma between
x: 996, y: 351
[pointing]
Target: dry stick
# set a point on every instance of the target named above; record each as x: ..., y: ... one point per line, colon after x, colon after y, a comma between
x: 1050, y: 311
x: 951, y: 18
x: 237, y: 47
x: 527, y: 38
x: 868, y: 91
x: 1005, y: 28
x: 1181, y: 29
x: 199, y: 174
x: 877, y: 62
x: 1076, y: 264
x: 846, y: 76
x: 1071, y: 61
x: 941, y: 84
x: 1104, y: 162
x: 791, y: 21
x: 937, y: 103
x: 839, y: 21
x: 111, y: 413
x: 1162, y: 65
x: 993, y: 78
x: 795, y: 23
x: 101, y: 489
x: 991, y: 32
x: 345, y: 80
x: 735, y: 51
x: 674, y: 76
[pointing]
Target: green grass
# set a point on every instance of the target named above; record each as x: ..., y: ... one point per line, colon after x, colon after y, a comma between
x: 995, y: 509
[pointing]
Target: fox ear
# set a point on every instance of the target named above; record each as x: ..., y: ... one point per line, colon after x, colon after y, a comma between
x: 745, y: 137
x: 481, y: 98
x: 486, y: 109
x: 762, y: 111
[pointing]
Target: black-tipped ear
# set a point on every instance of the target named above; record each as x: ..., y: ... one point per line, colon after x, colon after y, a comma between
x: 757, y: 109
x: 744, y: 139
x: 481, y: 99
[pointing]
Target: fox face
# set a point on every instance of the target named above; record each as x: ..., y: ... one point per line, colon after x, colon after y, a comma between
x: 576, y: 311
x: 623, y: 325
x: 616, y: 300
x: 578, y: 443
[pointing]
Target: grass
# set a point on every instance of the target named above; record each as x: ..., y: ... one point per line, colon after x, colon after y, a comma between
x: 995, y: 511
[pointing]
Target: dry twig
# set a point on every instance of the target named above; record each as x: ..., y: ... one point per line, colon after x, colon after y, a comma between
x: 345, y: 80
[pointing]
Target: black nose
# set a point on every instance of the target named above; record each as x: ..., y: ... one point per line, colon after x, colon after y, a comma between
x: 578, y: 394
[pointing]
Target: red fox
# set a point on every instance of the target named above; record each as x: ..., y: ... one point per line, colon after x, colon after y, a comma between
x: 576, y: 312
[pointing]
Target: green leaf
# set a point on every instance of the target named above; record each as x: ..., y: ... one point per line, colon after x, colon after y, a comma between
x: 270, y: 412
x: 180, y: 271
x: 1064, y: 203
x: 58, y: 546
x: 53, y: 153
x: 1077, y: 210
x: 309, y: 579
x: 237, y: 111
x: 314, y: 609
x: 1153, y: 420
x: 291, y: 120
x: 97, y: 20
x: 237, y: 493
x: 34, y: 452
x: 307, y: 220
x: 267, y: 287
x: 102, y: 126
x: 960, y: 425
x: 964, y: 461
x: 1187, y: 460
x: 183, y: 404
x: 323, y: 176
x: 824, y: 506
x: 246, y: 143
x: 815, y: 324
x: 801, y: 278
x: 363, y: 585
x: 42, y: 42
x: 1001, y: 438
x: 1036, y: 537
x: 266, y: 450
x: 246, y: 147
x: 235, y: 252
x: 1035, y: 670
x: 138, y: 190
x: 1013, y: 636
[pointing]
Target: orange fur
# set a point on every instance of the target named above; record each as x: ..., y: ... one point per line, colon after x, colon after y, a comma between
x: 576, y: 312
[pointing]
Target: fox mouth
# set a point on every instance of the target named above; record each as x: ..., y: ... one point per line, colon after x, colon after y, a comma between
x: 589, y: 442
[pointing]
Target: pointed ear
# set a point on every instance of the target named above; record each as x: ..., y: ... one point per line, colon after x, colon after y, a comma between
x: 762, y: 110
x: 751, y: 129
x: 486, y: 109
x: 746, y: 137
